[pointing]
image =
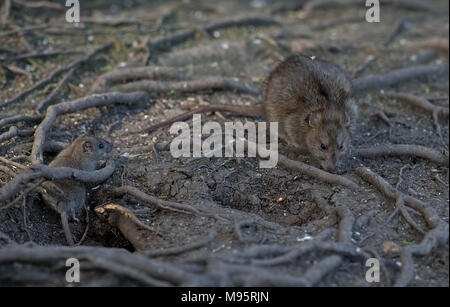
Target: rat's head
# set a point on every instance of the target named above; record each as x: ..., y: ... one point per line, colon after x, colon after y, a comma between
x: 95, y: 148
x: 328, y: 138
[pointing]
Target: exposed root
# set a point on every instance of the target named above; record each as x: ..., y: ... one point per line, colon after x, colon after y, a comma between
x: 180, y: 37
x: 162, y: 204
x: 39, y: 55
x: 371, y: 82
x: 19, y: 118
x: 39, y: 171
x: 317, y: 173
x: 44, y: 103
x: 12, y: 163
x: 207, y: 84
x: 419, y: 102
x: 76, y: 105
x: 437, y: 235
x: 347, y: 220
x: 55, y: 74
x: 360, y: 69
x: 39, y: 4
x: 182, y: 249
x: 413, y: 5
x: 402, y: 26
x: 5, y: 11
x: 437, y: 43
x: 133, y: 74
x: 117, y: 261
x: 14, y: 131
x: 129, y: 225
x: 440, y: 157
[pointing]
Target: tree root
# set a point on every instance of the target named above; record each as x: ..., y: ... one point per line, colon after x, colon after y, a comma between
x: 76, y: 105
x: 14, y: 131
x: 440, y: 157
x: 39, y: 55
x: 133, y: 74
x: 371, y: 82
x: 44, y: 103
x: 39, y: 171
x: 55, y: 74
x: 439, y: 44
x: 182, y: 249
x: 316, y: 173
x: 19, y: 118
x: 5, y: 10
x: 210, y: 83
x: 437, y: 235
x: 180, y: 37
x: 419, y: 102
x: 163, y: 204
x: 117, y: 261
x: 129, y: 225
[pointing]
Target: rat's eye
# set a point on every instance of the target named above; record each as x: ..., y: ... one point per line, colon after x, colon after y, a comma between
x: 100, y: 145
x: 341, y: 147
x: 323, y: 147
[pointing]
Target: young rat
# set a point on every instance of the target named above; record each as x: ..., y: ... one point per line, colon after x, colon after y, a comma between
x: 68, y: 196
x: 312, y: 102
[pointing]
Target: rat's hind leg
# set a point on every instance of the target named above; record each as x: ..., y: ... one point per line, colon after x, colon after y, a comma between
x: 67, y: 232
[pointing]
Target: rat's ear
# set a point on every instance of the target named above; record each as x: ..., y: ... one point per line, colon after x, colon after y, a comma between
x: 87, y: 146
x: 314, y: 119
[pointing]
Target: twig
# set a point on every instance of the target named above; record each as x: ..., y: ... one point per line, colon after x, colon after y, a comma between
x: 76, y: 105
x: 441, y: 157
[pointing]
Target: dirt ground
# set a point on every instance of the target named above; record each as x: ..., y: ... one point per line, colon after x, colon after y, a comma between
x: 281, y: 196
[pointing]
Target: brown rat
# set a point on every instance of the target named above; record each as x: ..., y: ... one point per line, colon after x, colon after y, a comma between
x: 311, y: 100
x: 66, y: 196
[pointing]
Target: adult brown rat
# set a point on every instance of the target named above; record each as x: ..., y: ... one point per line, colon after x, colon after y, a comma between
x: 66, y: 196
x: 311, y: 99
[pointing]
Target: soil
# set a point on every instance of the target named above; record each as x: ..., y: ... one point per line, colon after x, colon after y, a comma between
x: 277, y: 195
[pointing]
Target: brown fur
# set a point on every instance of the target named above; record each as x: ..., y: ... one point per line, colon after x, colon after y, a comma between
x: 69, y: 196
x: 312, y: 101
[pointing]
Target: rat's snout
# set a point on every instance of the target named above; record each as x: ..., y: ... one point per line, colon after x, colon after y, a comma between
x: 328, y: 165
